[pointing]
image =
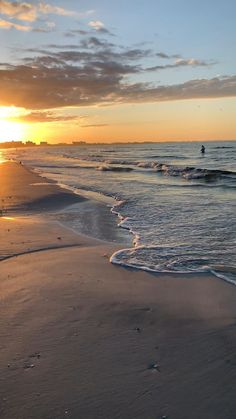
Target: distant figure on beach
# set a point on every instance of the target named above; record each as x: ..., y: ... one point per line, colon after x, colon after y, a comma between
x: 202, y: 149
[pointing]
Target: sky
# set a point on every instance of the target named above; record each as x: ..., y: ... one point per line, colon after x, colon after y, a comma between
x: 109, y: 70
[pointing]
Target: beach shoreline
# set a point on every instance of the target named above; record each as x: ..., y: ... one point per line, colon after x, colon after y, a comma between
x: 83, y: 338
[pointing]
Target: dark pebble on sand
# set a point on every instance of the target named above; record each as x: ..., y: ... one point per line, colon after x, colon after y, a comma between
x: 155, y: 367
x: 28, y: 366
x: 138, y: 329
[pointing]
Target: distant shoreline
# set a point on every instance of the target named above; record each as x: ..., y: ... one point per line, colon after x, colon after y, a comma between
x: 27, y: 144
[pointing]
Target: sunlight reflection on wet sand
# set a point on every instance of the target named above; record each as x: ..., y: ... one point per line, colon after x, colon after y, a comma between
x: 2, y: 160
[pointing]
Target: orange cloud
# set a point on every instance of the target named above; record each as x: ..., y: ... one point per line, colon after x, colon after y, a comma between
x: 40, y: 117
x: 29, y: 12
x: 47, y: 9
x: 4, y: 24
x: 21, y: 11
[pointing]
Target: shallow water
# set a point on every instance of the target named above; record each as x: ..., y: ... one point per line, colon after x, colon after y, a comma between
x: 178, y: 203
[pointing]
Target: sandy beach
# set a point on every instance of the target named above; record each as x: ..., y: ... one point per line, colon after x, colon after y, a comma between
x: 81, y: 338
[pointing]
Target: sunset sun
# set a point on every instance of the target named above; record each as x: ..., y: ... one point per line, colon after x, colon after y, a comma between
x: 10, y: 131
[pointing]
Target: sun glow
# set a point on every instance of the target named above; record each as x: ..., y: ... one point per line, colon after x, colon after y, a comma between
x: 10, y: 130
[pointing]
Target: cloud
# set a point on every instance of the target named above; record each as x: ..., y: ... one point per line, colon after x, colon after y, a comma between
x: 33, y: 11
x: 193, y: 62
x: 50, y: 27
x: 75, y: 32
x: 93, y: 41
x: 4, y: 24
x: 180, y: 62
x: 29, y: 12
x: 57, y: 84
x: 192, y: 89
x: 90, y: 52
x: 96, y: 72
x: 96, y: 24
x: 18, y: 10
x: 162, y: 55
x: 166, y: 56
x: 39, y: 117
x: 99, y: 27
x: 48, y: 9
x: 104, y: 31
x: 83, y: 32
x: 94, y: 125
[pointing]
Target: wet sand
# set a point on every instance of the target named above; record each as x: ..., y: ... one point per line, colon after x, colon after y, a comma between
x: 23, y: 190
x: 82, y: 338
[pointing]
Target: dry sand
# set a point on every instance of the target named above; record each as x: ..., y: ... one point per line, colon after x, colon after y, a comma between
x: 83, y: 339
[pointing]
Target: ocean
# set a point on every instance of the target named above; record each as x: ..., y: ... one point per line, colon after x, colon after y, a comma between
x: 175, y: 205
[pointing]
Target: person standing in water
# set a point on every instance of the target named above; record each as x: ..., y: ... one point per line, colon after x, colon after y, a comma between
x: 202, y: 149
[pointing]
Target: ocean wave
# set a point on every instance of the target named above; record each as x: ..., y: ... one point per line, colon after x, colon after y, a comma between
x: 56, y: 166
x: 223, y: 146
x: 110, y: 151
x: 168, y: 261
x: 199, y: 176
x: 167, y: 156
x: 187, y: 172
x: 106, y: 168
